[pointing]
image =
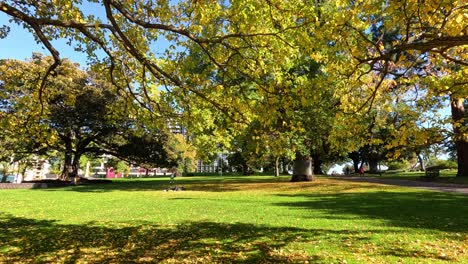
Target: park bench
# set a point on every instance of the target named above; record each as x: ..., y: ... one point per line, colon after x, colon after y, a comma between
x: 432, y: 173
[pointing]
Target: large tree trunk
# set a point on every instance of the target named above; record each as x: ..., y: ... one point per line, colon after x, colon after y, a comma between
x: 317, y: 165
x: 68, y: 170
x: 356, y: 159
x: 67, y: 166
x: 302, y: 169
x: 461, y: 142
x: 76, y: 164
x: 373, y: 166
x: 70, y: 166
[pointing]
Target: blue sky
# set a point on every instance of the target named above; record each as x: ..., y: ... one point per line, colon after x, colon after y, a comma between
x: 20, y: 43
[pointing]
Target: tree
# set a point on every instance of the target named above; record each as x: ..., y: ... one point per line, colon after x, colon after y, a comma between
x: 79, y: 117
x: 129, y: 30
x: 460, y: 129
x: 148, y: 150
x: 419, y: 44
x: 244, y: 49
x: 182, y: 153
x: 78, y: 114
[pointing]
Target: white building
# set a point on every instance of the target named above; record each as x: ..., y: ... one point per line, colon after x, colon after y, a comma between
x: 39, y: 169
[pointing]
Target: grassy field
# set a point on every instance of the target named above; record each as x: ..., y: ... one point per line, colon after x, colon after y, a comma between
x: 255, y: 219
x: 446, y: 176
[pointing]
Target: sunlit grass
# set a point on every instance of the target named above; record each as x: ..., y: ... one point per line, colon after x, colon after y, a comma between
x: 233, y: 219
x: 446, y: 176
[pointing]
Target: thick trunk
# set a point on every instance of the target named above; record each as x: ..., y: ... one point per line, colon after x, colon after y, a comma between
x: 356, y: 166
x: 356, y: 159
x: 302, y: 169
x: 373, y: 166
x: 461, y: 140
x: 462, y: 158
x: 68, y: 158
x: 317, y: 165
x: 76, y: 164
x: 70, y: 165
x: 67, y: 166
x: 277, y: 167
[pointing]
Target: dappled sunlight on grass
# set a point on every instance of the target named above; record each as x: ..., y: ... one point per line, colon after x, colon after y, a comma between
x: 227, y: 184
x: 223, y: 184
x: 256, y: 219
x: 446, y: 176
x: 28, y: 240
x: 425, y: 210
x: 24, y: 240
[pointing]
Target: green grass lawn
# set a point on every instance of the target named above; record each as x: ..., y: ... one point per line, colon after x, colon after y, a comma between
x: 446, y: 176
x: 255, y: 219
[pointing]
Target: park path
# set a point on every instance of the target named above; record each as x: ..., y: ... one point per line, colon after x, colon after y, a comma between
x: 434, y: 186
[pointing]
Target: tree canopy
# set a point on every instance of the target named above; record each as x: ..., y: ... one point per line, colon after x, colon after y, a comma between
x: 326, y: 67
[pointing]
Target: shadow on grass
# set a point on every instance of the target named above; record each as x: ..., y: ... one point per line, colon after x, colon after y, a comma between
x: 208, y: 184
x: 425, y: 210
x: 25, y: 240
x: 28, y: 240
x: 218, y: 184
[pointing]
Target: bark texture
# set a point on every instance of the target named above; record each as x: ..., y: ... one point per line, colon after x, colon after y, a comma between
x: 317, y: 165
x: 302, y: 170
x: 373, y: 166
x: 461, y: 142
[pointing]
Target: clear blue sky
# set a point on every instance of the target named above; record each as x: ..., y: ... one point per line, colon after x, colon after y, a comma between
x: 20, y: 43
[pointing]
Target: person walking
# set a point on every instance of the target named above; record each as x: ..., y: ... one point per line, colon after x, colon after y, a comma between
x: 361, y: 171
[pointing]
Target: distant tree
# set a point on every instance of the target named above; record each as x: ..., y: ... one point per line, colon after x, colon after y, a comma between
x: 238, y: 163
x: 181, y: 153
x: 76, y: 113
x: 148, y: 150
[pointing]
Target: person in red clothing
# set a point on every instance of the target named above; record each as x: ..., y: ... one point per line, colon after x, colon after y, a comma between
x: 361, y: 171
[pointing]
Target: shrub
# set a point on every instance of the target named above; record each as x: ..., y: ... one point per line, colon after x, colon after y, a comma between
x: 445, y: 164
x: 398, y: 165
